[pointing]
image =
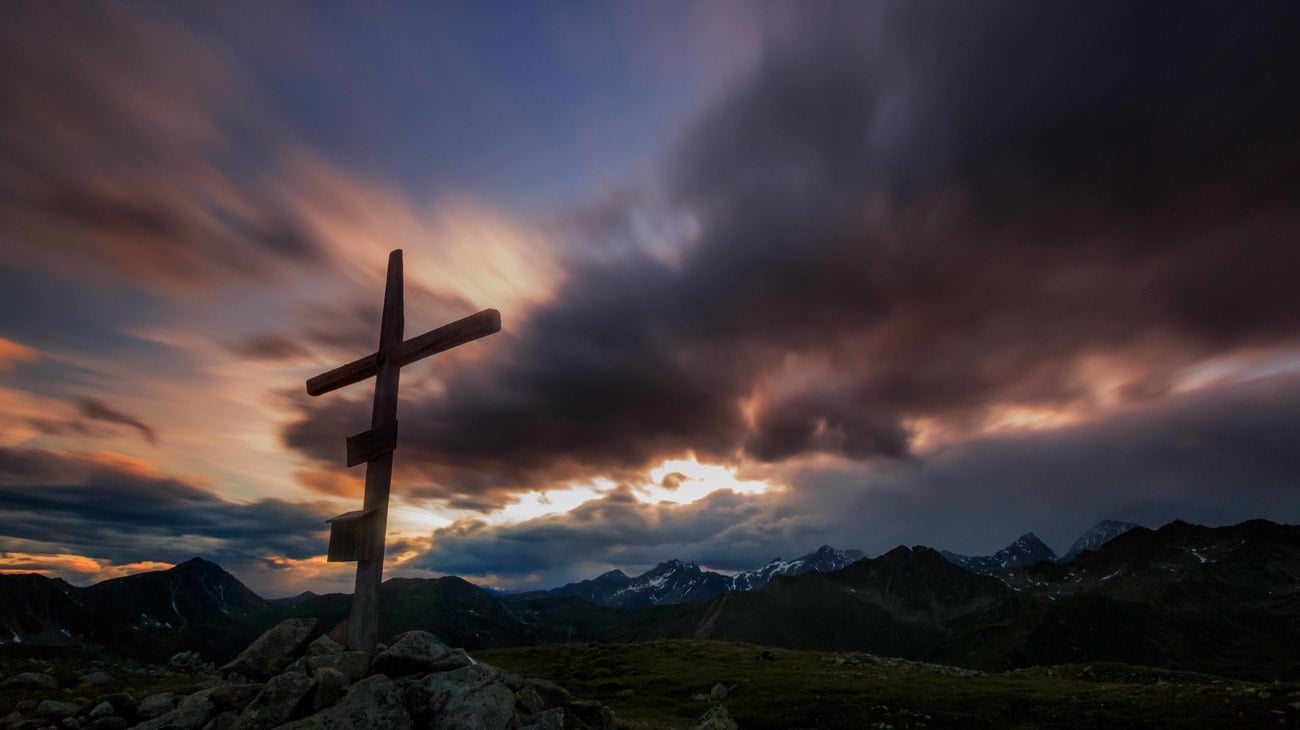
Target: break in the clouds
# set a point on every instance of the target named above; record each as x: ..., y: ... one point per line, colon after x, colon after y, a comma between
x: 923, y: 272
x: 910, y: 220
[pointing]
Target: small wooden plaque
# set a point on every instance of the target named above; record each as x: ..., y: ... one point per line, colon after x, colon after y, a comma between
x: 371, y: 444
x: 350, y: 536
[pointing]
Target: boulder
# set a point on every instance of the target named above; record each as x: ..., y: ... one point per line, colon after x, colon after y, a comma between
x: 593, y: 714
x: 191, y: 714
x: 156, y: 705
x: 354, y: 665
x: 56, y: 710
x: 235, y: 696
x: 552, y: 719
x: 374, y: 702
x: 324, y: 646
x: 716, y: 719
x: 330, y: 686
x: 285, y: 697
x: 103, y: 709
x: 30, y: 680
x: 94, y: 679
x: 718, y: 693
x: 223, y: 721
x: 417, y: 652
x: 271, y: 652
x: 112, y: 722
x: 489, y: 707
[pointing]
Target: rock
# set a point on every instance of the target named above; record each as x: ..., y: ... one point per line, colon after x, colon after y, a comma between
x: 191, y: 714
x: 223, y: 721
x: 489, y: 707
x: 330, y: 686
x: 354, y: 665
x: 595, y: 715
x: 701, y: 697
x: 235, y: 696
x: 537, y: 695
x: 285, y: 697
x: 103, y: 709
x: 271, y: 652
x: 30, y: 680
x: 374, y: 702
x: 417, y: 652
x: 186, y: 661
x: 27, y: 707
x: 112, y: 722
x: 716, y: 719
x: 55, y: 709
x: 156, y: 705
x: 71, y: 722
x: 94, y: 679
x: 718, y: 693
x: 552, y: 719
x: 624, y: 693
x: 324, y: 646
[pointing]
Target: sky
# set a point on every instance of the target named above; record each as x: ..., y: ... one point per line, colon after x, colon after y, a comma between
x: 771, y: 276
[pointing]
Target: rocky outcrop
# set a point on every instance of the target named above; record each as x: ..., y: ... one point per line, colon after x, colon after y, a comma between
x: 271, y: 652
x: 417, y: 683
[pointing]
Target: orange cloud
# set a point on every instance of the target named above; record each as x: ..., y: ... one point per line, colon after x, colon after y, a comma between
x: 93, y: 569
x: 11, y: 352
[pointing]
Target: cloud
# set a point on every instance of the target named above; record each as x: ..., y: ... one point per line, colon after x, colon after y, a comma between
x: 96, y: 410
x: 961, y: 222
x: 1210, y: 457
x: 115, y: 510
x: 11, y: 353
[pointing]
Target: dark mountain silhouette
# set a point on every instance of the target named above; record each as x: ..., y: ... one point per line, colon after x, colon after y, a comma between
x: 1223, y: 600
x: 1102, y: 533
x: 1026, y: 550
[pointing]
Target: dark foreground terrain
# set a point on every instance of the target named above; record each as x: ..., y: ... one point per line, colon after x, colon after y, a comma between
x: 669, y: 684
x: 665, y: 684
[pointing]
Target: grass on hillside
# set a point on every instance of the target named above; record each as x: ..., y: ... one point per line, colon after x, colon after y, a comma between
x: 811, y: 689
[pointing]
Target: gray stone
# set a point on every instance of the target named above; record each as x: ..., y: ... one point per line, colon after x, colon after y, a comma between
x: 123, y: 703
x: 112, y: 722
x: 354, y: 665
x: 223, y: 721
x: 374, y: 702
x: 191, y: 714
x: 427, y: 696
x: 489, y: 707
x: 330, y: 686
x: 103, y: 709
x: 593, y: 714
x: 285, y: 697
x: 552, y: 719
x: 30, y: 680
x: 271, y: 652
x: 718, y: 693
x: 537, y: 695
x: 27, y: 706
x: 55, y: 709
x: 624, y: 693
x: 324, y: 645
x: 235, y: 696
x: 716, y: 719
x: 417, y: 652
x: 156, y: 705
x: 94, y: 679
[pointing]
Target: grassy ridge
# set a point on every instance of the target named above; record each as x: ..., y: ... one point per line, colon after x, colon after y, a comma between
x: 811, y: 689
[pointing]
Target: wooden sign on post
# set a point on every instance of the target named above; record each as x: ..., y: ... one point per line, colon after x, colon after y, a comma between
x: 359, y: 535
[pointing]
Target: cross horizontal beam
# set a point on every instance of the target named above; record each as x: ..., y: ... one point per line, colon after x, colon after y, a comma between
x: 432, y: 342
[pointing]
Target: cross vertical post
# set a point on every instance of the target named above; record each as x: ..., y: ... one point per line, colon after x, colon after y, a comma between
x: 363, y: 626
x: 360, y: 535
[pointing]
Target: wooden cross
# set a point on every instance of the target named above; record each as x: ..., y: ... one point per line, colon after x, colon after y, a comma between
x: 359, y: 535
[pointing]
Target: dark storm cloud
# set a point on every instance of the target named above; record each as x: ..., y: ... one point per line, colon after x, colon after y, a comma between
x: 102, y: 509
x: 122, y: 139
x: 1214, y: 458
x: 269, y: 346
x: 97, y: 411
x: 910, y: 210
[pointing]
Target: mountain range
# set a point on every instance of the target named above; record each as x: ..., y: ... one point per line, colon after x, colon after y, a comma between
x: 1224, y: 600
x: 674, y: 581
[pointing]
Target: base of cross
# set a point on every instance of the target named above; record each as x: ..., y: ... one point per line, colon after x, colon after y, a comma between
x: 359, y: 535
